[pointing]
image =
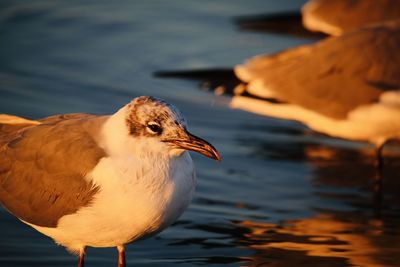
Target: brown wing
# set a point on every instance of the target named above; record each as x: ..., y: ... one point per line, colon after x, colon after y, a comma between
x: 333, y: 76
x: 42, y: 168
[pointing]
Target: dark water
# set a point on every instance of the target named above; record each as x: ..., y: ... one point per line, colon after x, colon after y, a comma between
x: 280, y: 197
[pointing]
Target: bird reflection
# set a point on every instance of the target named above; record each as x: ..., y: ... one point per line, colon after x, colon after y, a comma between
x: 351, y: 236
x: 335, y: 239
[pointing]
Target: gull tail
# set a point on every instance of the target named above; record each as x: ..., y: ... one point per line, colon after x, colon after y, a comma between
x: 13, y: 120
x: 285, y: 23
x: 10, y: 124
x: 220, y: 80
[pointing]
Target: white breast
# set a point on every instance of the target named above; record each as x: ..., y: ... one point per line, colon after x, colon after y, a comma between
x: 137, y: 198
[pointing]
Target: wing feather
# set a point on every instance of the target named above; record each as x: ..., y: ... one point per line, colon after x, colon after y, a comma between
x: 333, y: 76
x: 43, y: 167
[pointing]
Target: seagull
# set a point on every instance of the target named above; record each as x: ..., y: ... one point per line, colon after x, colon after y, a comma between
x: 319, y: 18
x: 337, y: 17
x: 345, y: 86
x: 100, y: 181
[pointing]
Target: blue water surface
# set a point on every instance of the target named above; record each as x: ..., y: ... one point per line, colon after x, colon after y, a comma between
x: 281, y: 196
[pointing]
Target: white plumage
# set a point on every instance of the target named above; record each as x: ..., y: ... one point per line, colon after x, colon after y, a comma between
x: 131, y: 174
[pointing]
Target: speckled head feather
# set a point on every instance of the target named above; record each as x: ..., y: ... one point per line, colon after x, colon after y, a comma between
x: 145, y: 111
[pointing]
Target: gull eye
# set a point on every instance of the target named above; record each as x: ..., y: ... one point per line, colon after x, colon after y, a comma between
x: 154, y: 128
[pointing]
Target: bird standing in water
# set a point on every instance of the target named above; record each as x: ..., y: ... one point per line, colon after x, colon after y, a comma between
x: 346, y: 86
x: 100, y: 181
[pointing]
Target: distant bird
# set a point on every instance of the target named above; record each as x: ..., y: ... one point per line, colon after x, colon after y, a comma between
x: 319, y: 17
x: 338, y: 16
x: 99, y: 181
x: 346, y: 86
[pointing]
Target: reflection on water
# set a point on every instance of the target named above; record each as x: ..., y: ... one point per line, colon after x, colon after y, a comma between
x: 281, y: 196
x: 319, y: 241
x: 333, y: 237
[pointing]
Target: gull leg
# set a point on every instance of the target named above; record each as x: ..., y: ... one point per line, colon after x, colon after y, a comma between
x: 378, y: 177
x: 121, y: 256
x: 81, y: 259
x: 379, y: 164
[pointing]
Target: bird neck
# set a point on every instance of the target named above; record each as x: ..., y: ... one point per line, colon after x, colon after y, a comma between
x: 114, y: 136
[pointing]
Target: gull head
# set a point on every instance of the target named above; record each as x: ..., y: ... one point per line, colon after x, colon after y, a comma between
x: 160, y: 126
